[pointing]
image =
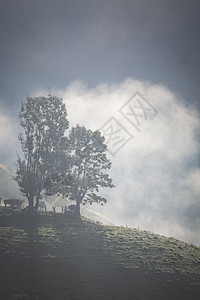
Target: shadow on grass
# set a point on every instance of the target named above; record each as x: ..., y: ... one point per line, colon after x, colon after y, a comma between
x: 52, y: 257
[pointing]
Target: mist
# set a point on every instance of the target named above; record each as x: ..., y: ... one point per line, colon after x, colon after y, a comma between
x: 130, y: 69
x: 156, y: 172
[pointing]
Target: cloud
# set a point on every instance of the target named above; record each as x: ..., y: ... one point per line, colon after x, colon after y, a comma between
x: 156, y: 172
x: 8, y: 137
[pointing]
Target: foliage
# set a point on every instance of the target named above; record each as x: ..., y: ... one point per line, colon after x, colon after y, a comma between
x: 85, y: 173
x: 44, y: 122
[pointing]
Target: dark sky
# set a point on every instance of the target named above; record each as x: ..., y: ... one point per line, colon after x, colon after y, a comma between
x: 46, y: 43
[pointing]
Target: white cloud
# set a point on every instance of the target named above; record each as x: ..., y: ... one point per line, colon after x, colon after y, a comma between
x: 156, y: 173
x: 8, y: 137
x: 6, y: 125
x: 156, y: 182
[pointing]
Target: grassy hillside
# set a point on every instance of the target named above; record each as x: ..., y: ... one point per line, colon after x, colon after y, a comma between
x: 51, y: 257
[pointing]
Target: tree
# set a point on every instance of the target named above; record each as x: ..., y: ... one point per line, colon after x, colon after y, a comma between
x: 44, y: 121
x: 87, y: 163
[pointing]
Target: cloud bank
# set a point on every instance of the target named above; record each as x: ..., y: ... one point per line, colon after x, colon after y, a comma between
x: 8, y: 137
x: 156, y: 172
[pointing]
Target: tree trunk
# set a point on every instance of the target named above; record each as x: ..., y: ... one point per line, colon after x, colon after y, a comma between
x: 37, y: 201
x: 30, y: 208
x: 77, y: 212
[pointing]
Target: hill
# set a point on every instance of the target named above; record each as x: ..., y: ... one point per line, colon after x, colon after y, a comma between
x: 54, y: 257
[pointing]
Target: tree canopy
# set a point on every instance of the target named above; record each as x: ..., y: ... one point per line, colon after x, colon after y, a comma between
x: 51, y: 162
x: 44, y: 122
x: 87, y: 165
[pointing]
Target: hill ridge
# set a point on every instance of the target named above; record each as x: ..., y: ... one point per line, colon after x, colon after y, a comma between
x: 92, y: 261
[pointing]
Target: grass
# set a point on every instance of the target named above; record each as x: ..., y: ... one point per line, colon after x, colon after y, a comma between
x: 52, y: 257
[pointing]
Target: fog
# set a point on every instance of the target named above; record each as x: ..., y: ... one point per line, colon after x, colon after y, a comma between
x: 156, y: 172
x: 155, y: 164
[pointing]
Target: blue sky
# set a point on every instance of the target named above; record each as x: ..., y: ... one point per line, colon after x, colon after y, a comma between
x: 96, y: 55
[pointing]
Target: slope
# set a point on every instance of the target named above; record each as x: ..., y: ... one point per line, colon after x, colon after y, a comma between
x: 54, y: 257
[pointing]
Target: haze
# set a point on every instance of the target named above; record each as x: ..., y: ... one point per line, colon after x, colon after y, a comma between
x: 96, y: 55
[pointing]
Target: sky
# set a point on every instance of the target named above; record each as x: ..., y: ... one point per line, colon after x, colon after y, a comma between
x: 105, y: 58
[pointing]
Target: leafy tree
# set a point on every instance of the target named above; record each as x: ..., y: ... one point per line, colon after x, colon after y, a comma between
x: 44, y: 121
x: 87, y: 163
